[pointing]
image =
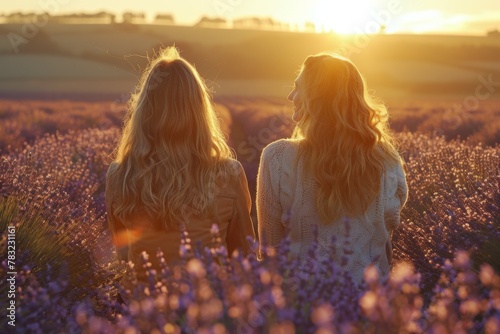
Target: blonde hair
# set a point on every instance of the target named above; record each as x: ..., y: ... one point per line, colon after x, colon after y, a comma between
x: 346, y: 140
x: 172, y: 148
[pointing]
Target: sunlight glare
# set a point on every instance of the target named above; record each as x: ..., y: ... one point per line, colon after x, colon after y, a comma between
x: 340, y: 17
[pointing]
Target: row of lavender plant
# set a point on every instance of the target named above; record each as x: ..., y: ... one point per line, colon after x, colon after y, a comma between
x: 454, y: 203
x: 54, y: 189
x: 53, y: 192
x: 23, y: 121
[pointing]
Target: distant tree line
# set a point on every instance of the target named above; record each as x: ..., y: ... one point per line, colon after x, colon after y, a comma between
x: 99, y: 17
x: 260, y: 23
x: 264, y: 23
x: 253, y: 23
x: 493, y: 33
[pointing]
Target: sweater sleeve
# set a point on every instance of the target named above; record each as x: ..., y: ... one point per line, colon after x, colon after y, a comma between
x: 117, y: 229
x: 397, y: 195
x: 269, y: 210
x: 241, y: 225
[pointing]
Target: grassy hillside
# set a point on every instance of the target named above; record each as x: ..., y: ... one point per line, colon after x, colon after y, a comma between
x: 237, y: 62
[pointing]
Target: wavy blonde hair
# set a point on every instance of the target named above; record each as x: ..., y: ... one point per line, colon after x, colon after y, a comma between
x: 172, y: 148
x: 346, y: 139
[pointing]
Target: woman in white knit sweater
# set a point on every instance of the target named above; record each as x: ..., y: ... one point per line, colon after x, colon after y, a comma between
x: 340, y: 171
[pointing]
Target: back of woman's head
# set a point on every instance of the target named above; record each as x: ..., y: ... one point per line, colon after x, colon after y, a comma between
x: 172, y: 107
x: 347, y: 142
x: 334, y: 96
x: 172, y: 144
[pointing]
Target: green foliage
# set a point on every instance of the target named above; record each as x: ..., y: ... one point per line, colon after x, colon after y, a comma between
x: 52, y: 261
x: 41, y: 247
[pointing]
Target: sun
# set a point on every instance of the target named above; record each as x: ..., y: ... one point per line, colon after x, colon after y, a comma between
x: 343, y: 17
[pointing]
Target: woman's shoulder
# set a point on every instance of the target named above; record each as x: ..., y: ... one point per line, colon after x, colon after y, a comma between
x: 280, y: 147
x: 230, y: 171
x: 229, y: 177
x: 235, y: 167
x: 394, y: 172
x: 113, y: 167
x: 112, y: 180
x: 394, y: 165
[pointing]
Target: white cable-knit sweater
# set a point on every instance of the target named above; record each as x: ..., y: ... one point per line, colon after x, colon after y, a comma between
x: 286, y: 197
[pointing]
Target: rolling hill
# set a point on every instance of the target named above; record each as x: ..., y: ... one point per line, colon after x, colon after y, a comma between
x: 103, y: 61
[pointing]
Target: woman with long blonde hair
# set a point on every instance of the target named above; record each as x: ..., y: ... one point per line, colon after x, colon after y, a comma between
x: 340, y: 168
x: 173, y: 171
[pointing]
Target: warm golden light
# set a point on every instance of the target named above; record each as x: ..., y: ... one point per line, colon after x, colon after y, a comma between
x: 344, y: 17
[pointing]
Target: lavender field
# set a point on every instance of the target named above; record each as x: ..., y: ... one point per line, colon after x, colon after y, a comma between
x: 54, y: 157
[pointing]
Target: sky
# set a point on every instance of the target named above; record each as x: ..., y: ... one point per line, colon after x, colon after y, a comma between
x: 348, y: 16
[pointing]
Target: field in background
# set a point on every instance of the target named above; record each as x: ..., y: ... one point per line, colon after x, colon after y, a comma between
x: 89, y: 61
x: 263, y: 118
